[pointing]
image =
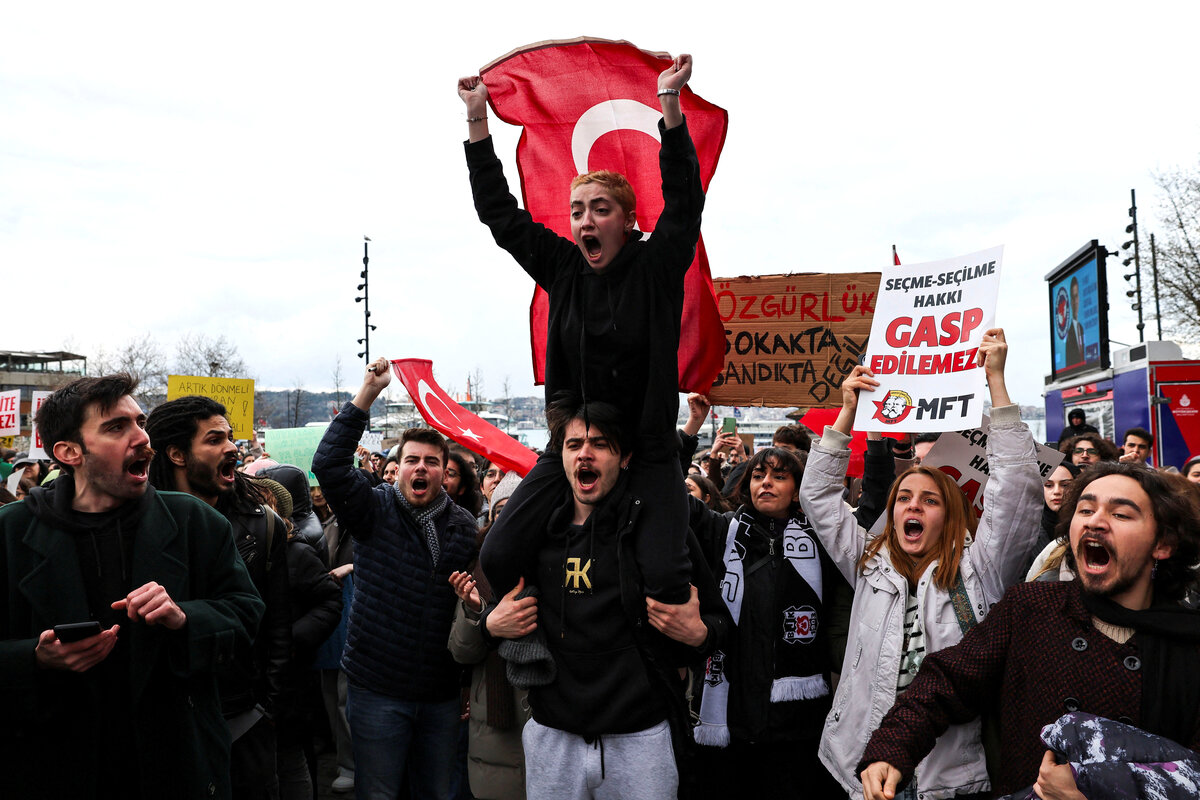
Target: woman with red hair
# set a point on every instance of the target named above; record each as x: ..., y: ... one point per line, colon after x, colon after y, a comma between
x: 925, y: 580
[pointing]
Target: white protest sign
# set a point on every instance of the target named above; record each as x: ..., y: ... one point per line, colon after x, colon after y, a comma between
x: 372, y: 441
x: 10, y: 413
x: 35, y: 439
x: 963, y: 456
x: 929, y: 321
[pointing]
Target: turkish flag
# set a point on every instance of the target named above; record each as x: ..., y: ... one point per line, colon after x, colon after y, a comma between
x: 590, y: 104
x: 454, y: 421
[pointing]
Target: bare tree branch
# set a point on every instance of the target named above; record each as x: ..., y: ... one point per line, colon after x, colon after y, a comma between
x: 1178, y: 254
x: 200, y: 354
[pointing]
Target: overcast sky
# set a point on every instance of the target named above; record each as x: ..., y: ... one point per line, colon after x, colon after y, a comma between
x: 170, y: 168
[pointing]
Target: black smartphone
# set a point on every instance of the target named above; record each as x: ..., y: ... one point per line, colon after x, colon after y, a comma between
x: 76, y: 631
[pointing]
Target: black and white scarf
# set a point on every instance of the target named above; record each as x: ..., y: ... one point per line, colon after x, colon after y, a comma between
x: 794, y: 678
x: 424, y: 518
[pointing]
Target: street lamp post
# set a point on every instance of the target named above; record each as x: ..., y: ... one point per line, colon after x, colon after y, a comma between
x: 364, y: 298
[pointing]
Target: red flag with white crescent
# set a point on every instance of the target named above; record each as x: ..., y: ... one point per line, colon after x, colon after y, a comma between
x: 452, y: 420
x: 590, y: 104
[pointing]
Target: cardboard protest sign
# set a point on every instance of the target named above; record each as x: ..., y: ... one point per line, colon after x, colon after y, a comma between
x: 236, y: 394
x: 790, y: 340
x: 929, y: 322
x: 10, y: 413
x: 963, y: 456
x: 35, y: 439
x: 295, y: 446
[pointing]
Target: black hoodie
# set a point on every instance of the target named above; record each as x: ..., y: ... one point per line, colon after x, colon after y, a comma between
x: 104, y: 546
x: 103, y: 542
x: 602, y: 685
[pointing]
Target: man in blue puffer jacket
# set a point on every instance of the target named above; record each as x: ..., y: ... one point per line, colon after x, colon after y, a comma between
x: 403, y: 683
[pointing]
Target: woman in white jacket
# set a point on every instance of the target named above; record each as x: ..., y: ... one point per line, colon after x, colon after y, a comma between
x: 925, y: 580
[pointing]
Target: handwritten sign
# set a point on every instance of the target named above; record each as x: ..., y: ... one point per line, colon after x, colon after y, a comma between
x: 36, y: 450
x: 929, y: 322
x: 790, y: 340
x: 10, y: 412
x: 236, y: 394
x: 372, y: 440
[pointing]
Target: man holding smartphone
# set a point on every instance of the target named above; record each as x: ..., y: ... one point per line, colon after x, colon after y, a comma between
x: 149, y: 600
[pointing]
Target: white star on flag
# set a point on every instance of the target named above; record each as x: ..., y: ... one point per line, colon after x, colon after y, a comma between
x: 470, y: 434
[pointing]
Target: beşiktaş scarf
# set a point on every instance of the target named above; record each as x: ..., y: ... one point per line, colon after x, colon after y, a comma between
x: 424, y: 518
x: 794, y: 678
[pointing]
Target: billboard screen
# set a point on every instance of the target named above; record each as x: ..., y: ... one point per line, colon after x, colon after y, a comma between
x: 1079, y: 313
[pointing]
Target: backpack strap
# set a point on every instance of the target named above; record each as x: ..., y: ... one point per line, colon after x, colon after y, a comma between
x: 271, y: 538
x: 962, y: 605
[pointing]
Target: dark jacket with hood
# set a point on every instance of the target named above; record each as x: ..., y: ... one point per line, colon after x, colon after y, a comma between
x: 307, y: 526
x: 403, y: 602
x: 614, y: 334
x: 147, y: 720
x: 261, y: 540
x: 1072, y: 430
x: 316, y: 611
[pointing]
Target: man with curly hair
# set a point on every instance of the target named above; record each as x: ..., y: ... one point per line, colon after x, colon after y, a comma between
x: 1115, y: 642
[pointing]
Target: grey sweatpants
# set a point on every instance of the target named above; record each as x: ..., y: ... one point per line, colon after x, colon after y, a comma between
x: 618, y: 766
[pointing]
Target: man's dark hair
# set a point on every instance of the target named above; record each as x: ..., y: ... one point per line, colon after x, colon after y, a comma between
x: 795, y: 435
x: 601, y: 416
x: 424, y: 436
x: 1108, y: 450
x: 61, y: 416
x: 928, y: 436
x: 1174, y: 504
x: 1141, y: 433
x: 175, y: 422
x: 769, y: 458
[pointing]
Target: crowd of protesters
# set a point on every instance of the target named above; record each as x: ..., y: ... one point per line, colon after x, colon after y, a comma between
x: 183, y: 616
x: 810, y: 646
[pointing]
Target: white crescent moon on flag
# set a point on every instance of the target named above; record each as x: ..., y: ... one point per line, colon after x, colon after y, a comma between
x: 611, y: 115
x: 423, y: 392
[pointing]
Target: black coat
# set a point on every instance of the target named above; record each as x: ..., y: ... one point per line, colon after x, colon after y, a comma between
x: 752, y: 717
x: 261, y: 678
x: 48, y: 744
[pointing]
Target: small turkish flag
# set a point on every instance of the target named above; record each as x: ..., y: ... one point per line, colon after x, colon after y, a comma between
x: 591, y: 104
x: 454, y: 421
